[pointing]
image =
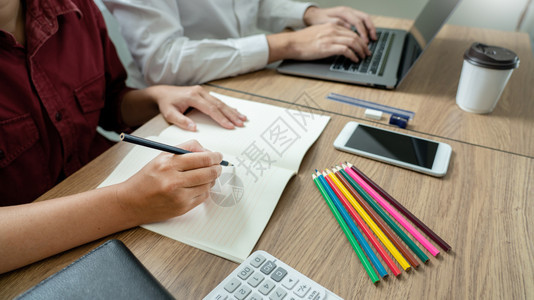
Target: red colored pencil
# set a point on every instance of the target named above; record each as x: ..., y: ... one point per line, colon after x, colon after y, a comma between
x: 385, y: 228
x: 389, y: 262
x: 404, y: 211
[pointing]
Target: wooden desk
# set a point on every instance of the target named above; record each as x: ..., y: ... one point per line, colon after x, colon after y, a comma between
x: 482, y: 207
x: 429, y: 90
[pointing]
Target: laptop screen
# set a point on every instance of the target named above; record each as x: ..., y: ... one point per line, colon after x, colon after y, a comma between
x: 425, y: 28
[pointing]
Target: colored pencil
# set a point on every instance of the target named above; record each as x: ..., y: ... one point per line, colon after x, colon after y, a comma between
x: 396, y: 254
x: 436, y: 238
x: 394, y: 213
x: 422, y: 256
x: 347, y: 207
x: 342, y: 176
x: 159, y: 146
x: 323, y: 189
x: 357, y: 233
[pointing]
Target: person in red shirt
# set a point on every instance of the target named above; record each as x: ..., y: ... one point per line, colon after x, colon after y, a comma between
x: 60, y: 78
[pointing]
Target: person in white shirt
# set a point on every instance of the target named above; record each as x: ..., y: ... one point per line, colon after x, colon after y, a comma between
x: 186, y: 42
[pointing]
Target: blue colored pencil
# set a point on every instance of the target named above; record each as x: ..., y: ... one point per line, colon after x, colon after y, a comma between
x: 359, y: 252
x: 357, y: 233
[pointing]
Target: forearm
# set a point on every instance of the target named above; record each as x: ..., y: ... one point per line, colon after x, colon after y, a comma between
x: 280, y: 46
x: 34, y: 231
x: 138, y: 106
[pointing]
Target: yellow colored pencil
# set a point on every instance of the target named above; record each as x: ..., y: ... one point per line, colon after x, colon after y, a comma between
x: 396, y: 254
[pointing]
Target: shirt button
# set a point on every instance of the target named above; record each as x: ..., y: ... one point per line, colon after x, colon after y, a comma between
x: 2, y: 154
x: 58, y: 116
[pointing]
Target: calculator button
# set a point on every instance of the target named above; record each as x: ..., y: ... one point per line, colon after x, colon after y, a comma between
x: 245, y: 272
x: 278, y: 294
x: 313, y: 295
x: 289, y: 282
x: 279, y: 274
x: 232, y: 285
x: 268, y: 267
x: 242, y: 292
x: 220, y: 297
x: 255, y: 279
x: 266, y: 287
x: 257, y: 260
x: 302, y: 289
x: 255, y: 296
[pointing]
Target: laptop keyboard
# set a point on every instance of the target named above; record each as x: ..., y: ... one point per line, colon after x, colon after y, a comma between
x: 373, y: 64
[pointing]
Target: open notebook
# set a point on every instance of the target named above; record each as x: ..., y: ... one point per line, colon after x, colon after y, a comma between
x: 266, y: 153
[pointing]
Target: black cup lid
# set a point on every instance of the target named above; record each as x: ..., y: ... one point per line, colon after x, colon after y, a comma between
x: 491, y: 57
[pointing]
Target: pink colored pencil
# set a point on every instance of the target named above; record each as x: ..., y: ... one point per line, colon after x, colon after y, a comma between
x: 393, y: 212
x: 363, y: 226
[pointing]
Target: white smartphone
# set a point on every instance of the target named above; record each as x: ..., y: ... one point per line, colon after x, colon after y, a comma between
x: 403, y: 150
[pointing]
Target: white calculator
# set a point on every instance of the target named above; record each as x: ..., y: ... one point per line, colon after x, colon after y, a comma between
x: 263, y: 276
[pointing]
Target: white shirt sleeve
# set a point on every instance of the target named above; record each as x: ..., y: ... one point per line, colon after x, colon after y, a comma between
x: 158, y: 37
x: 155, y: 37
x: 277, y: 15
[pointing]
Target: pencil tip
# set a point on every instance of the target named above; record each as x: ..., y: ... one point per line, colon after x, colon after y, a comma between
x: 121, y: 136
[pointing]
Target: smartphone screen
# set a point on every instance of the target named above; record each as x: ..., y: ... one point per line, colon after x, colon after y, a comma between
x: 395, y: 146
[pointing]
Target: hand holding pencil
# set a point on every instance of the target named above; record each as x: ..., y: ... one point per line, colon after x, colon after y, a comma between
x: 170, y: 185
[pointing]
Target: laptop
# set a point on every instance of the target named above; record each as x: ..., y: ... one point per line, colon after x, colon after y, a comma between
x: 394, y: 53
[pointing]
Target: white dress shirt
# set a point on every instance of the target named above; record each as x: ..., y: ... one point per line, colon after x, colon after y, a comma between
x: 186, y: 42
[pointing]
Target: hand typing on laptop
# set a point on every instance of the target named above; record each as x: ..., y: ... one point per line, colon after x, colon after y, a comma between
x: 316, y: 42
x: 330, y: 32
x: 344, y: 16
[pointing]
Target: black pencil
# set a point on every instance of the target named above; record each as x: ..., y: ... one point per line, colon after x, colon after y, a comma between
x: 159, y: 146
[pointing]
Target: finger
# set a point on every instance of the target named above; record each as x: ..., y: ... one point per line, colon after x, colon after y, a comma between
x: 356, y: 46
x: 345, y: 32
x: 193, y: 146
x: 351, y: 39
x: 214, y: 111
x: 361, y: 48
x: 362, y: 31
x: 195, y: 160
x: 347, y: 52
x: 362, y: 22
x: 203, y: 194
x: 195, y: 196
x: 230, y: 113
x: 197, y: 177
x: 235, y: 115
x: 339, y: 22
x: 370, y: 28
x: 172, y: 115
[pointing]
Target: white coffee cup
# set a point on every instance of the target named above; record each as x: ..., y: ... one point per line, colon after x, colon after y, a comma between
x: 485, y: 72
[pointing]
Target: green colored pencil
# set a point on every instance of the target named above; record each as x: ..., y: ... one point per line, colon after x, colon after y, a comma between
x: 359, y: 252
x: 422, y: 256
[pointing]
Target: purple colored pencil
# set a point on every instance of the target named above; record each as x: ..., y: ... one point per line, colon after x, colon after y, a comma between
x: 404, y: 211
